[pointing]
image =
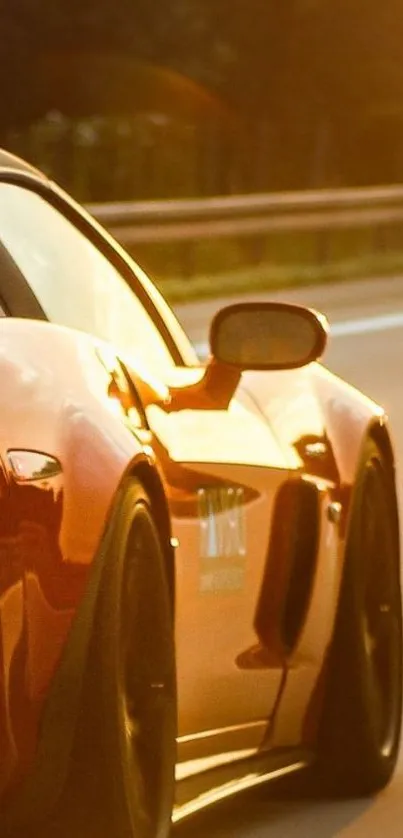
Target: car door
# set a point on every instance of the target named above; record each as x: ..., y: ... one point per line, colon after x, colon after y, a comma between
x: 225, y: 473
x: 228, y: 686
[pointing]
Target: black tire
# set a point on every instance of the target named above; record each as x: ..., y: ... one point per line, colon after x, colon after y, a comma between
x: 122, y: 777
x: 360, y: 727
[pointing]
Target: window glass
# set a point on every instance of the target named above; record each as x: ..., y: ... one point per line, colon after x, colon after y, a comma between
x: 74, y: 283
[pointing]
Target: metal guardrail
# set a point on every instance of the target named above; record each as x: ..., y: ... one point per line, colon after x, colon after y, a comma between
x: 251, y: 215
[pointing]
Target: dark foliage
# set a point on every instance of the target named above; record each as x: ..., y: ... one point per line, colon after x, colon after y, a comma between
x: 314, y: 87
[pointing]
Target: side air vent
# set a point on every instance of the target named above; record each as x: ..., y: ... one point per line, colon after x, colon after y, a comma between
x: 304, y: 545
x: 290, y: 568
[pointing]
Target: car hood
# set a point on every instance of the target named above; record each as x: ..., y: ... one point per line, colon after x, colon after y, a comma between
x: 306, y: 418
x: 237, y: 435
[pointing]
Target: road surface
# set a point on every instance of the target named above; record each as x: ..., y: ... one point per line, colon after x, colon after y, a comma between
x: 366, y: 348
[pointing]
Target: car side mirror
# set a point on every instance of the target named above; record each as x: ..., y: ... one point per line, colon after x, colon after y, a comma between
x: 267, y: 336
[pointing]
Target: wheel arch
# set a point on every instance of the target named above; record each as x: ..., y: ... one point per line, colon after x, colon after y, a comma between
x: 153, y: 485
x: 40, y: 792
x: 380, y: 434
x: 378, y: 431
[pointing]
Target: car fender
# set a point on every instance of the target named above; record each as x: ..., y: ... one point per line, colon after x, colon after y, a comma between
x: 319, y: 420
x: 66, y: 450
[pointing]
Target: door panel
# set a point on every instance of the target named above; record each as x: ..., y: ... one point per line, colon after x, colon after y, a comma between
x: 226, y: 677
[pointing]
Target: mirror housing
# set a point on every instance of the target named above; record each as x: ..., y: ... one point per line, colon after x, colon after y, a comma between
x: 267, y: 336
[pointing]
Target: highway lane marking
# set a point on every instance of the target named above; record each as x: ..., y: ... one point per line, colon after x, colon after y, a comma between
x: 347, y: 328
x: 365, y: 325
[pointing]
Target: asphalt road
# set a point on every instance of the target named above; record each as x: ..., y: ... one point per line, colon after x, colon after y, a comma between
x: 366, y: 348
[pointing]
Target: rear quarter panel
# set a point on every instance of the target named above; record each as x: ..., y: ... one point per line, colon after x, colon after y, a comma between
x: 321, y: 422
x: 312, y: 404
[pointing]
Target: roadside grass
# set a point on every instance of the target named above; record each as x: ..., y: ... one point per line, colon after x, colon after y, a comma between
x: 267, y: 276
x: 207, y: 268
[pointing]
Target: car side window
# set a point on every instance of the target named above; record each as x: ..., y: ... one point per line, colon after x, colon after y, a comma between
x: 74, y: 282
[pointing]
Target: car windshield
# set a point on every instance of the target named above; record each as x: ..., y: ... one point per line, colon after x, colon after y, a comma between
x: 77, y: 286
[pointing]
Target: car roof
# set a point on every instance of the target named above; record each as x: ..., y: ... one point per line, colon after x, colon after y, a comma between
x: 11, y: 161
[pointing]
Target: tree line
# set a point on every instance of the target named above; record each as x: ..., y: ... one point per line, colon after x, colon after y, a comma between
x: 244, y: 96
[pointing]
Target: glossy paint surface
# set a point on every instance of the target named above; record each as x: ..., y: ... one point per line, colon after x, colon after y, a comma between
x: 248, y: 694
x: 258, y: 470
x: 278, y: 428
x: 63, y: 455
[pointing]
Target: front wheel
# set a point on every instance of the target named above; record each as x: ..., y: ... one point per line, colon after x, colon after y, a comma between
x: 360, y: 727
x: 122, y: 772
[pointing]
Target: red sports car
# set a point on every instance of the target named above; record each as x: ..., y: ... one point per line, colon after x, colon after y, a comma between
x: 199, y: 563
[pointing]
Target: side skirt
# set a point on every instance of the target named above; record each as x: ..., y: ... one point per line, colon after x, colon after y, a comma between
x: 210, y: 787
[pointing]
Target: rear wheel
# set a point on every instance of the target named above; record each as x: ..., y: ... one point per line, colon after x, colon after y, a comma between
x: 122, y: 775
x: 360, y: 727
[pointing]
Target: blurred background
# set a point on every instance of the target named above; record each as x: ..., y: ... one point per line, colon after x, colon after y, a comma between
x: 166, y: 99
x: 200, y: 97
